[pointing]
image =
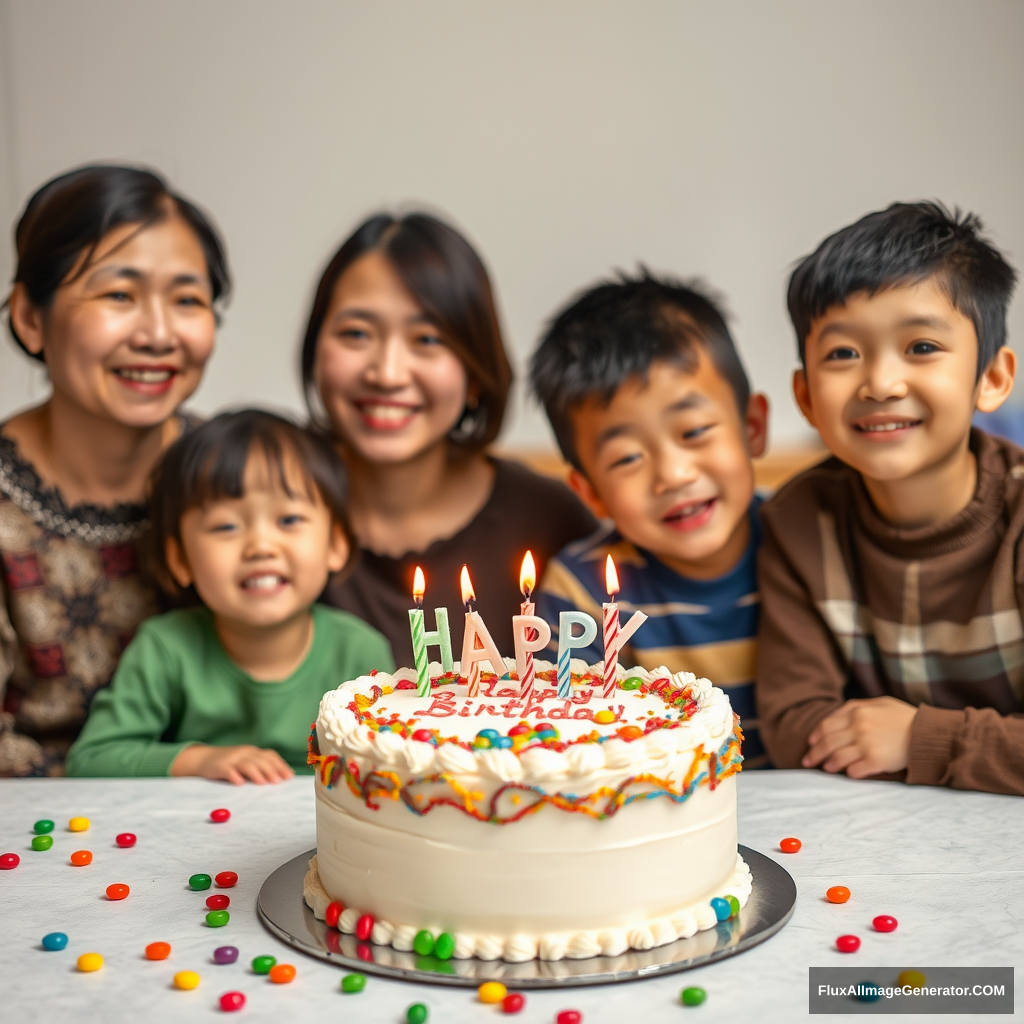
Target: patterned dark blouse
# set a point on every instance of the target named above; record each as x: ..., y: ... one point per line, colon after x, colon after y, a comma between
x: 73, y: 590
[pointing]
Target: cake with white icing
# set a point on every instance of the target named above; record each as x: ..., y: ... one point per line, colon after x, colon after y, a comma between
x: 552, y: 828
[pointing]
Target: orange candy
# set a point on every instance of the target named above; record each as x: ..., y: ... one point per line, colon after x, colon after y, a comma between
x: 81, y: 857
x: 281, y: 974
x: 158, y: 951
x: 837, y: 894
x: 790, y: 845
x: 117, y: 891
x: 630, y: 732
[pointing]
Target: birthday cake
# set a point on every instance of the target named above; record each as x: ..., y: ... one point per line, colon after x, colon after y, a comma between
x: 497, y: 827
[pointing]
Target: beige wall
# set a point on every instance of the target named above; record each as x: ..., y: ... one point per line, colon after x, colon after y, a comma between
x: 567, y: 137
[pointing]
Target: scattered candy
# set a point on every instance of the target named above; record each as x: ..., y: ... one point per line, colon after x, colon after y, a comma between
x: 199, y: 882
x: 416, y: 1014
x: 333, y: 913
x: 513, y: 1002
x: 632, y: 683
x: 837, y: 894
x: 42, y: 842
x: 352, y: 983
x: 126, y: 839
x: 217, y: 918
x: 55, y: 941
x: 9, y: 861
x: 79, y: 824
x: 630, y: 732
x: 868, y: 992
x: 262, y: 964
x: 885, y: 923
x: 218, y: 902
x: 604, y: 717
x: 281, y: 974
x: 89, y: 962
x: 186, y: 980
x: 225, y: 954
x: 225, y: 879
x: 42, y: 826
x: 423, y: 944
x: 734, y: 905
x: 364, y: 927
x: 117, y: 891
x: 847, y: 943
x: 790, y: 845
x: 693, y: 996
x: 220, y: 815
x: 232, y: 1001
x: 158, y: 951
x: 910, y: 979
x: 491, y: 992
x: 445, y: 946
x: 721, y: 908
x: 80, y: 858
x: 569, y: 1017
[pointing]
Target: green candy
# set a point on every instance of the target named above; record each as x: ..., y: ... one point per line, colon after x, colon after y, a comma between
x: 734, y: 903
x: 444, y: 947
x: 42, y: 826
x: 199, y: 882
x: 423, y: 943
x: 693, y: 996
x: 42, y: 842
x: 262, y: 964
x: 632, y: 683
x: 416, y: 1014
x: 217, y: 918
x: 353, y: 983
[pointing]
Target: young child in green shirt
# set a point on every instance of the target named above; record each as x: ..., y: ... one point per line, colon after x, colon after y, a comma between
x: 248, y: 509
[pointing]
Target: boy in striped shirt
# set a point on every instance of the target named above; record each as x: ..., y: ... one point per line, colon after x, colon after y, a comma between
x: 650, y: 405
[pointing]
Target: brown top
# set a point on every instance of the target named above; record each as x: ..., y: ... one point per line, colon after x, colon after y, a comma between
x: 524, y: 511
x: 855, y: 607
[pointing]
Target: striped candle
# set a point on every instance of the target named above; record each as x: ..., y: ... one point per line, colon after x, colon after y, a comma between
x: 611, y: 629
x: 419, y: 652
x: 567, y: 642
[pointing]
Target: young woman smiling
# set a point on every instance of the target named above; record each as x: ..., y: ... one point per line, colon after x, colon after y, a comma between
x: 404, y: 363
x: 115, y: 291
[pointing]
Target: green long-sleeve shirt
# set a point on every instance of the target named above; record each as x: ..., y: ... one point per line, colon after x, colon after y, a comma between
x: 176, y: 686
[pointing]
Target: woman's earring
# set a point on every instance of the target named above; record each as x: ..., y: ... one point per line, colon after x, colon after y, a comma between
x: 470, y: 424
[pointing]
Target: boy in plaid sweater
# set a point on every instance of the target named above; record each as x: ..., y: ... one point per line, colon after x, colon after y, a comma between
x: 892, y: 575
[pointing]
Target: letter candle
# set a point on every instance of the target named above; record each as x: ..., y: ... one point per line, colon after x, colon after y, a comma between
x: 421, y: 640
x: 524, y: 654
x: 567, y: 642
x: 611, y: 628
x: 477, y: 645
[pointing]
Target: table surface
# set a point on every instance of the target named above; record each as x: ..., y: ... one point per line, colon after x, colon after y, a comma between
x: 946, y: 864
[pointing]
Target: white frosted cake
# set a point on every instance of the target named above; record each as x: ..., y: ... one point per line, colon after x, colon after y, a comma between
x: 556, y: 828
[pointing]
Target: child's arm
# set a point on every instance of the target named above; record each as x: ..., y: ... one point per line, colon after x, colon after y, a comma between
x: 232, y: 764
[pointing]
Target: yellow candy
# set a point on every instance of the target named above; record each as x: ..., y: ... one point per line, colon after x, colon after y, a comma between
x: 912, y: 979
x: 79, y: 824
x: 604, y: 717
x: 491, y: 992
x: 186, y: 979
x: 90, y: 962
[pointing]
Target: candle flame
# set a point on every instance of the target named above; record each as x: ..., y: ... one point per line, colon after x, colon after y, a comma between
x: 528, y: 575
x: 467, y: 586
x: 611, y: 577
x: 419, y: 585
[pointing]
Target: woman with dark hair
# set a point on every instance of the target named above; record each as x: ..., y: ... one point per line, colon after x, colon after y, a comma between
x: 404, y: 363
x: 116, y: 290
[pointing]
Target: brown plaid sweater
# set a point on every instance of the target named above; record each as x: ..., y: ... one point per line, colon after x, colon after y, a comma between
x: 855, y: 607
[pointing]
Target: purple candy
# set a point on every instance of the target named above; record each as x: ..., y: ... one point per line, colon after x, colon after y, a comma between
x: 225, y: 954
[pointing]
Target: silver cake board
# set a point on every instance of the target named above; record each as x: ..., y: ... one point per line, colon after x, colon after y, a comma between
x: 284, y: 913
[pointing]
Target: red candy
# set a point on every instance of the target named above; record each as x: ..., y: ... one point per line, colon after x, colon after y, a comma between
x: 117, y: 891
x: 569, y: 1017
x: 126, y: 839
x: 225, y: 879
x: 218, y: 902
x: 423, y: 735
x: 885, y: 923
x: 790, y: 845
x: 513, y: 1002
x: 364, y: 927
x: 519, y: 730
x: 333, y: 913
x: 232, y: 1001
x: 221, y: 814
x: 847, y: 943
x: 8, y: 861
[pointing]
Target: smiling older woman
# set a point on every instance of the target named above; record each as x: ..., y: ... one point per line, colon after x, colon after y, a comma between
x: 116, y: 288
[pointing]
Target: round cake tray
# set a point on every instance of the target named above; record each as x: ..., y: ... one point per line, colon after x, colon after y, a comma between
x: 283, y: 911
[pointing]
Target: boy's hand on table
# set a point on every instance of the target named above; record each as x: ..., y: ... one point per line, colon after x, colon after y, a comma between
x: 232, y: 764
x: 862, y: 738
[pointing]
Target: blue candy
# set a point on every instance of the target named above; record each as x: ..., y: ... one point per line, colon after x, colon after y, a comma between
x: 868, y: 992
x: 55, y: 941
x: 489, y: 734
x: 505, y: 742
x: 721, y: 908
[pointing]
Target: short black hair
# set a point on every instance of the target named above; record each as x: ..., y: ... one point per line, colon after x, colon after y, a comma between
x: 615, y: 330
x: 208, y: 464
x: 904, y: 244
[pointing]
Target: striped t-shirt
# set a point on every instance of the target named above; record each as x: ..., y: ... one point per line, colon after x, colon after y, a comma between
x: 708, y: 627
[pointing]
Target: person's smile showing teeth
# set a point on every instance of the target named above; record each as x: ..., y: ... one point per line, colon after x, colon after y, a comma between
x: 152, y: 380
x: 885, y: 427
x: 264, y: 582
x: 690, y: 515
x: 381, y: 415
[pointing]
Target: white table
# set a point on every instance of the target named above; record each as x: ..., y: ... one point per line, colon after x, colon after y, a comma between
x: 948, y: 865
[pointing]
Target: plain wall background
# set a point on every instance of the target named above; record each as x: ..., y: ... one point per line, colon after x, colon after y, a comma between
x: 565, y: 137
